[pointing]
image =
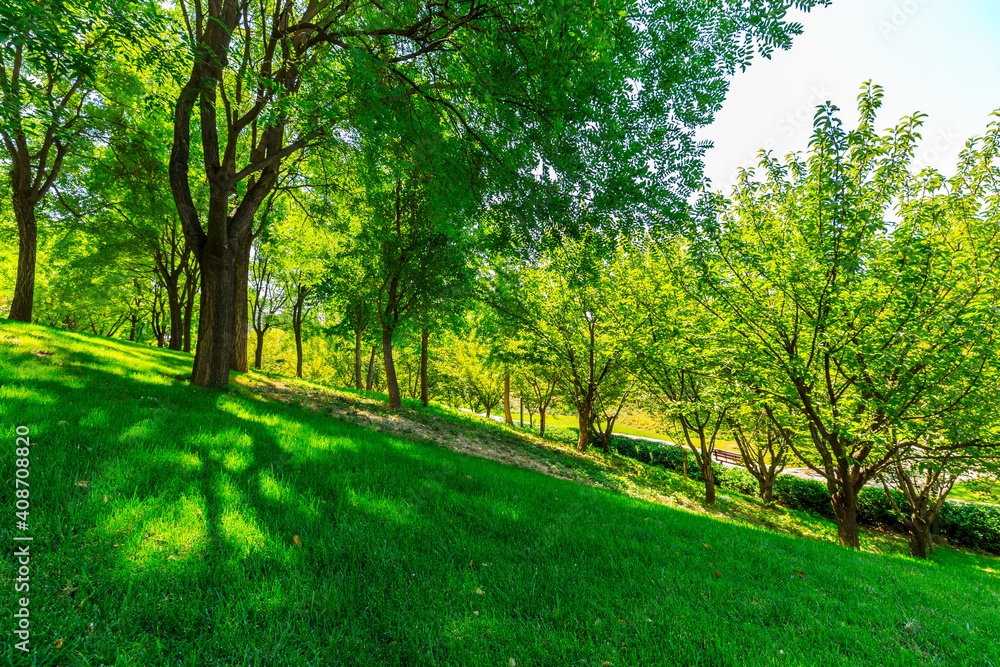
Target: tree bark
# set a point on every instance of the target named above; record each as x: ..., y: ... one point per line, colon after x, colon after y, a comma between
x: 541, y: 422
x: 190, y: 290
x: 24, y: 287
x: 583, y: 419
x: 424, y: 388
x: 259, y: 352
x: 215, y: 326
x: 506, y: 400
x: 297, y: 327
x: 845, y: 510
x: 392, y: 386
x: 176, y: 319
x: 357, y: 359
x: 371, y: 368
x: 708, y: 474
x: 241, y: 305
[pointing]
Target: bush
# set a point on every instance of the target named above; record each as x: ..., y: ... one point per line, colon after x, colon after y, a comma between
x: 972, y: 525
x: 737, y: 479
x: 805, y: 495
x: 874, y: 508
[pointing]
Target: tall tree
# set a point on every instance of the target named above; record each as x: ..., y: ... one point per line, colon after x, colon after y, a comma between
x: 46, y: 77
x: 517, y: 80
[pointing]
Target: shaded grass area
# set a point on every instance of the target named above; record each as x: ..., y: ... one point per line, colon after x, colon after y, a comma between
x: 222, y: 528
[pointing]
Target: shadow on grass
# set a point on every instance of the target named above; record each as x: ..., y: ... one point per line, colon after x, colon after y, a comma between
x: 182, y: 549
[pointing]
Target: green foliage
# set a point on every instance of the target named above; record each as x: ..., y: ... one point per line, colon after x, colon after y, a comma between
x: 805, y: 495
x: 974, y: 525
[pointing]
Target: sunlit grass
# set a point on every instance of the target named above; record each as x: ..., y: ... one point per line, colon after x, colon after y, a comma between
x: 219, y: 528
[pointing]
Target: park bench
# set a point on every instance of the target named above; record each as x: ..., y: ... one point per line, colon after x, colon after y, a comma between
x: 723, y: 456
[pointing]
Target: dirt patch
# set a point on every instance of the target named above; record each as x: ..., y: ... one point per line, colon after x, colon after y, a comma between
x: 428, y: 428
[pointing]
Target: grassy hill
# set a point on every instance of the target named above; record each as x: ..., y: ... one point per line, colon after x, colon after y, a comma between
x: 281, y: 523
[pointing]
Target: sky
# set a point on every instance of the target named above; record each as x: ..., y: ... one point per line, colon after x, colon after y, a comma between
x: 939, y: 57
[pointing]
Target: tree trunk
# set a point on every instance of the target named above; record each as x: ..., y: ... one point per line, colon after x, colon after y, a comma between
x: 583, y: 419
x: 259, y: 353
x: 919, y: 535
x: 131, y: 331
x: 357, y: 359
x: 241, y: 305
x: 506, y: 400
x: 371, y: 368
x: 27, y: 234
x: 541, y: 422
x: 392, y: 387
x: 708, y: 474
x: 215, y: 324
x: 845, y: 511
x: 424, y: 388
x: 190, y: 291
x: 297, y: 326
x: 176, y: 318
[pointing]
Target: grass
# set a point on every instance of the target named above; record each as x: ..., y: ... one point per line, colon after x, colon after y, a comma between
x: 231, y: 528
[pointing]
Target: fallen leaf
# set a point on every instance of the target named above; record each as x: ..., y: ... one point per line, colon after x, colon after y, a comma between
x: 296, y: 540
x: 105, y: 499
x: 468, y: 477
x: 59, y: 643
x: 718, y: 575
x: 83, y: 484
x: 90, y: 628
x: 479, y: 591
x: 512, y: 662
x: 476, y: 613
x: 470, y: 563
x: 706, y: 546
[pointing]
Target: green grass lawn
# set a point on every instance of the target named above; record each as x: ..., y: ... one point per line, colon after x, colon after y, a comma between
x: 178, y: 526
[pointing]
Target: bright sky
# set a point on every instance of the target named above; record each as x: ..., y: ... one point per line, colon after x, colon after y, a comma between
x: 940, y: 57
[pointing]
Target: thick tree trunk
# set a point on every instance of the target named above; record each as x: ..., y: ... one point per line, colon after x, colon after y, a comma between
x: 24, y: 286
x: 424, y: 388
x: 845, y: 512
x: 357, y: 359
x: 241, y: 304
x: 131, y: 331
x: 541, y: 422
x: 371, y: 368
x: 259, y: 352
x: 919, y: 535
x: 506, y: 400
x: 392, y: 386
x: 215, y: 323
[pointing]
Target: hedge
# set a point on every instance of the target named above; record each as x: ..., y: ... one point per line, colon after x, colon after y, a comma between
x: 974, y: 525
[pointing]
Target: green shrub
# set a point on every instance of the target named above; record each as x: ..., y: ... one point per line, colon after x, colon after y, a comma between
x: 805, y: 495
x: 966, y: 524
x: 972, y: 525
x: 737, y: 479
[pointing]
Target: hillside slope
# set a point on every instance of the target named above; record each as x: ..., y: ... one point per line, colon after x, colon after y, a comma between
x: 259, y: 526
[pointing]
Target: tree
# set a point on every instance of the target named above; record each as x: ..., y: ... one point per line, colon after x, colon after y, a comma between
x: 861, y: 297
x: 517, y: 81
x: 561, y: 302
x: 763, y: 448
x: 49, y: 57
x: 266, y: 296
